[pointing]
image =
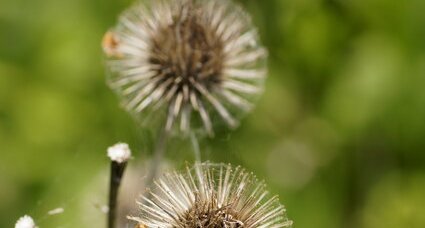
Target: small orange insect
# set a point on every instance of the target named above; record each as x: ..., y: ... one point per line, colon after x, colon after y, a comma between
x: 110, y: 45
x: 140, y: 225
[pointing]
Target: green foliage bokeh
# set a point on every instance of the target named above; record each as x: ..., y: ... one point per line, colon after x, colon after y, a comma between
x: 338, y: 134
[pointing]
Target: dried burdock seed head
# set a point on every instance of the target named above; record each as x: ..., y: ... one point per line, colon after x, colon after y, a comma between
x: 211, y: 196
x: 174, y: 58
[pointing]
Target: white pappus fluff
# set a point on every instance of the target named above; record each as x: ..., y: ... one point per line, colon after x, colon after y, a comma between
x: 25, y: 222
x: 119, y: 152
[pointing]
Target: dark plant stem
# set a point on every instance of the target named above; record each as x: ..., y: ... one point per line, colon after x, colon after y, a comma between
x: 117, y: 171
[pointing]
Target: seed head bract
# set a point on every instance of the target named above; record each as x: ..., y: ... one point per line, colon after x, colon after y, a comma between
x: 188, y: 63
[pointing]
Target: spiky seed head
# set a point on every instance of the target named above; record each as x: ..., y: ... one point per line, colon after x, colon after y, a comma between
x: 174, y: 58
x: 211, y: 196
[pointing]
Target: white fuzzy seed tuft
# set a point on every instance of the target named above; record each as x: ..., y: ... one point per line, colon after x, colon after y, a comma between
x: 119, y: 152
x: 56, y: 211
x: 25, y: 222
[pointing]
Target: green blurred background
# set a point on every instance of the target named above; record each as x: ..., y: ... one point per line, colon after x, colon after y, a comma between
x: 339, y: 132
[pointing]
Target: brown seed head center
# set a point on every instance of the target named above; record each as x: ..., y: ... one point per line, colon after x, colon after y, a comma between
x: 188, y: 49
x: 207, y: 214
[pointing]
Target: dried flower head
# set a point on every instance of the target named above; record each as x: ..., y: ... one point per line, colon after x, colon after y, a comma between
x: 211, y: 196
x: 25, y: 222
x: 186, y: 56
